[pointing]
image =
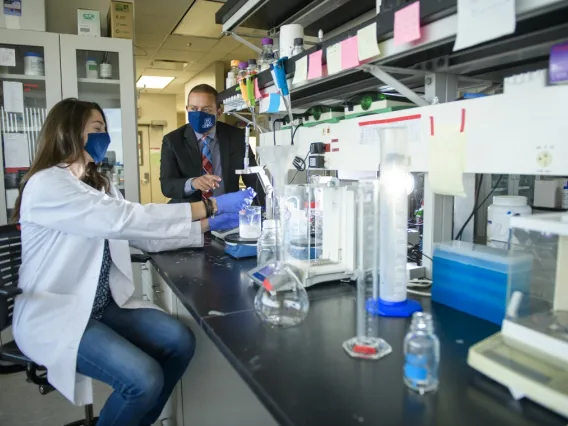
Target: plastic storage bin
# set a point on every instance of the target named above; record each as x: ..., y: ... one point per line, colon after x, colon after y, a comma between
x: 473, y: 278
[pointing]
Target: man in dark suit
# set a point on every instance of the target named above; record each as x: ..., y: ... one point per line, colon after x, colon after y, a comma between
x: 199, y: 159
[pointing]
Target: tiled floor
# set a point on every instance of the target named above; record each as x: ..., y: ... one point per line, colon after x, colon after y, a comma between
x: 21, y: 404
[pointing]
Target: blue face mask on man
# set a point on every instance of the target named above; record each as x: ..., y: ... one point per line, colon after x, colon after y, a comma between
x: 97, y: 145
x: 200, y: 121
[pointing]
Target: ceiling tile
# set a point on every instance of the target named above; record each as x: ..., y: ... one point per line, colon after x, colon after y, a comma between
x: 162, y: 8
x: 191, y: 44
x: 212, y: 57
x: 175, y: 87
x: 149, y: 40
x: 196, y: 66
x: 152, y: 24
x: 200, y: 20
x: 179, y: 55
x: 227, y: 45
x: 144, y: 52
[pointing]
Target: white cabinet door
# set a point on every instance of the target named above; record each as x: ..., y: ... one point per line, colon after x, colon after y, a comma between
x: 26, y: 95
x: 212, y: 393
x: 110, y: 83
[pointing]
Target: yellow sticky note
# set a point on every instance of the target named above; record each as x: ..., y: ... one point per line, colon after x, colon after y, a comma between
x: 447, y: 160
x: 301, y: 72
x: 367, y: 42
x: 333, y: 54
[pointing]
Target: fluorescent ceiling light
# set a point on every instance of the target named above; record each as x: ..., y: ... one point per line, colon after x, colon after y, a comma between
x: 153, y: 82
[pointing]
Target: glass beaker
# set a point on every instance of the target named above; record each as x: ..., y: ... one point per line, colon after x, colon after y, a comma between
x: 250, y: 222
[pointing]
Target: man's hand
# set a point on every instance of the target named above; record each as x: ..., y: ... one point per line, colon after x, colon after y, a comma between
x: 206, y: 183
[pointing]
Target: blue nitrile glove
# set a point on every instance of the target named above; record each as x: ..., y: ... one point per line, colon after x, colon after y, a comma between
x: 224, y: 222
x: 235, y: 201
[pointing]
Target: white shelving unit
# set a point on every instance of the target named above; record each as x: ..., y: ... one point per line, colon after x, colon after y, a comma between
x: 23, y: 77
x: 116, y: 95
x: 64, y: 77
x: 40, y: 93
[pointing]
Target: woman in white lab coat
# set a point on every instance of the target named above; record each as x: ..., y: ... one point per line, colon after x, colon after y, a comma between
x: 77, y: 315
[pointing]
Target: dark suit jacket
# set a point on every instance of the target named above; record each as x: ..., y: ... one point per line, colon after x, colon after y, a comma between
x: 181, y: 160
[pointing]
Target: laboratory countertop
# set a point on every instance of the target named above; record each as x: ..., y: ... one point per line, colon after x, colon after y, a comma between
x: 304, y: 377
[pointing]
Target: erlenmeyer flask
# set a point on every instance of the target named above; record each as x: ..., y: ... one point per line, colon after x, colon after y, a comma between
x: 282, y: 300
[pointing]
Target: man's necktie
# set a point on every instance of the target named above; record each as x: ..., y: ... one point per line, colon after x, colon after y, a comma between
x: 206, y: 161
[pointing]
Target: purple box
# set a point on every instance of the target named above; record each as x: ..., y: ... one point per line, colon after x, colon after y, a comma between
x: 558, y: 65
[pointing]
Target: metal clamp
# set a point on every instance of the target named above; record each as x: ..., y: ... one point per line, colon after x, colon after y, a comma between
x: 246, y: 120
x: 401, y: 88
x: 265, y: 182
x: 244, y: 41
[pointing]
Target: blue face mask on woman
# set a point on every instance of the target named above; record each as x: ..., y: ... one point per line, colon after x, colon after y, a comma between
x: 200, y: 121
x: 97, y: 145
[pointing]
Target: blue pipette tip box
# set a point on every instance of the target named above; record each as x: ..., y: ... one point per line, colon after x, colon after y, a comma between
x: 397, y: 310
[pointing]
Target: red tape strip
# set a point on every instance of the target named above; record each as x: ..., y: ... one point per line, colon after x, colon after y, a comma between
x: 390, y: 120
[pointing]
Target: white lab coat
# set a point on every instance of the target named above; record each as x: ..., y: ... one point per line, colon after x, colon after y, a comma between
x: 64, y: 223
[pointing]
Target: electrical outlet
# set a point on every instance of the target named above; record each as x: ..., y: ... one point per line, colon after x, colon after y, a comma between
x: 544, y: 159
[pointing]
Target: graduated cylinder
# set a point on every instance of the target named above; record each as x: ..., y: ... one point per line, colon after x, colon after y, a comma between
x: 393, y: 225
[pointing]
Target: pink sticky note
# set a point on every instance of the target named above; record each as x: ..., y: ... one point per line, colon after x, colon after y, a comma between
x: 407, y: 24
x: 257, y: 94
x: 349, y: 53
x: 315, y: 69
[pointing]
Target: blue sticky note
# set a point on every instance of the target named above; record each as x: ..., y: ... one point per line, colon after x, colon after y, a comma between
x: 274, y: 105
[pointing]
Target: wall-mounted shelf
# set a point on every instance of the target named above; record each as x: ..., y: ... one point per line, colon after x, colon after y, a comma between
x: 313, y: 15
x: 98, y: 81
x: 540, y: 24
x: 22, y: 77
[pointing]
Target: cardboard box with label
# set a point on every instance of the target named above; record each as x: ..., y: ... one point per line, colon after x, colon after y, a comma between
x: 121, y: 20
x: 89, y: 22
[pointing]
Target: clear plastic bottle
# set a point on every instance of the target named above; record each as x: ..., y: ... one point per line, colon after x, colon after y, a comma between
x: 267, y: 56
x: 421, y: 354
x: 252, y: 67
x: 298, y: 46
x: 242, y: 71
x: 266, y: 245
x: 235, y: 68
x: 565, y: 195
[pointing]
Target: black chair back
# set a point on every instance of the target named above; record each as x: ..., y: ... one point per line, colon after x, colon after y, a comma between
x: 10, y: 260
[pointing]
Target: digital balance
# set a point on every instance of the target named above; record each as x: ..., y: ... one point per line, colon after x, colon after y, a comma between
x: 530, y: 354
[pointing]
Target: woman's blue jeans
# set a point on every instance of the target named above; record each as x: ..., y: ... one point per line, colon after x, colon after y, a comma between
x: 142, y: 354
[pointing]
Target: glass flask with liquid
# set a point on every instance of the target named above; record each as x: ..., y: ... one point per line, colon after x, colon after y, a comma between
x: 421, y: 354
x: 282, y: 300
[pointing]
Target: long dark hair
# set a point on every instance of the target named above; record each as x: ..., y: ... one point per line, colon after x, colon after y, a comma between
x: 61, y: 142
